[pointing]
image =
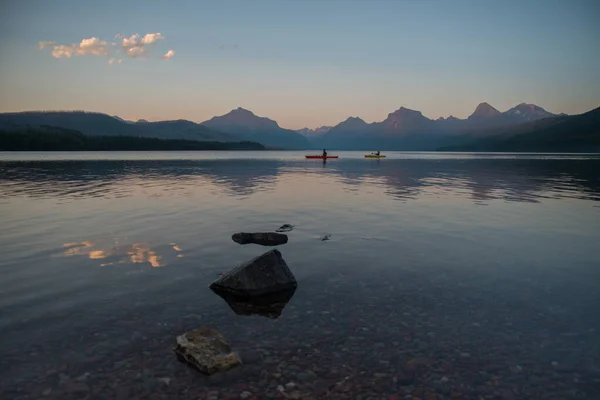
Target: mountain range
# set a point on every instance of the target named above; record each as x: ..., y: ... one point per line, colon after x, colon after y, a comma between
x: 577, y: 133
x: 312, y: 133
x: 403, y: 129
x: 406, y: 129
x: 244, y: 125
x: 237, y: 126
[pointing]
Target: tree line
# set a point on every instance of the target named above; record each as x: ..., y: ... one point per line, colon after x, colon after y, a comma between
x: 49, y: 138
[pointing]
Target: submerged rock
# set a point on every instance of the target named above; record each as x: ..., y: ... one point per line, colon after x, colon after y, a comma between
x: 262, y: 275
x: 268, y: 305
x: 262, y: 238
x: 285, y: 228
x: 206, y: 350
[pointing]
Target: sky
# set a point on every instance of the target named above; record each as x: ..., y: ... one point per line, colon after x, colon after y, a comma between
x: 302, y: 63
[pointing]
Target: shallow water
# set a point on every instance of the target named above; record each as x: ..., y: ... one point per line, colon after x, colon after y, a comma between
x: 446, y: 276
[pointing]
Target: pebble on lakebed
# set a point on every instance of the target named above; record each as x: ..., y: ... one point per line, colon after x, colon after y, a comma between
x: 206, y: 350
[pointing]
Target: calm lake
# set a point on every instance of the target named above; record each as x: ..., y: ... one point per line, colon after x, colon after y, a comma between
x: 445, y: 276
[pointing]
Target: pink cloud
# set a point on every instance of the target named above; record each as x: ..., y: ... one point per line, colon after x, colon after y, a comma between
x: 168, y: 55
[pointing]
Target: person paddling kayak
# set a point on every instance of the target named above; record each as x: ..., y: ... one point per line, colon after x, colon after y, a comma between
x: 324, y: 153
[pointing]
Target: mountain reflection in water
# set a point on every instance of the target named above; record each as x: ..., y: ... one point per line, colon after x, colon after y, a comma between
x: 520, y: 179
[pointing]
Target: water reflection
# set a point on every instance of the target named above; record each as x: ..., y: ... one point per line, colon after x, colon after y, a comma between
x: 519, y: 179
x: 269, y: 306
x: 135, y: 253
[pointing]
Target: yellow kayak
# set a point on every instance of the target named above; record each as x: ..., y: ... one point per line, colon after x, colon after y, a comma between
x: 373, y: 156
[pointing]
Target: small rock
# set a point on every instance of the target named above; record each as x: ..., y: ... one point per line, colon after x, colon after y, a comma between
x: 290, y: 385
x: 245, y: 395
x: 63, y: 379
x: 206, y: 350
x: 83, y: 377
x: 285, y: 228
x: 122, y: 393
x: 306, y: 376
x: 405, y: 379
x: 166, y: 381
x: 262, y: 238
x: 76, y: 388
x: 518, y: 369
x: 465, y: 355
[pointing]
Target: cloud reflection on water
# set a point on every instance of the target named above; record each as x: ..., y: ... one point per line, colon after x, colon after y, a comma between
x: 135, y: 253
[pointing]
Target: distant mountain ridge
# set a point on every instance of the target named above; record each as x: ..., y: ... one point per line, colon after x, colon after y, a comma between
x: 576, y: 133
x: 484, y: 110
x: 308, y: 133
x: 238, y: 125
x: 246, y: 125
x: 406, y: 129
x: 98, y: 124
x: 402, y: 129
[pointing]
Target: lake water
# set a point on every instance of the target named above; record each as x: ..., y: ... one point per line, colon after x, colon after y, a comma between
x: 445, y: 276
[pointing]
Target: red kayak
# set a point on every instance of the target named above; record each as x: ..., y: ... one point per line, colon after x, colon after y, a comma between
x: 321, y: 157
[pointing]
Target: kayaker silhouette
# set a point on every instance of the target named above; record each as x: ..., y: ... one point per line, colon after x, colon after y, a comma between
x: 324, y: 153
x: 377, y: 153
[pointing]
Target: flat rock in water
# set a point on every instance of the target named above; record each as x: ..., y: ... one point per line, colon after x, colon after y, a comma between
x: 206, y: 350
x: 268, y: 305
x: 262, y: 238
x: 285, y: 228
x: 262, y: 275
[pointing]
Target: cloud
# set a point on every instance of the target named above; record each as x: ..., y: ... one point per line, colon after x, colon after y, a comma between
x: 168, y: 55
x: 136, y: 40
x: 135, y: 52
x: 134, y: 46
x: 150, y: 38
x: 42, y: 45
x: 91, y: 46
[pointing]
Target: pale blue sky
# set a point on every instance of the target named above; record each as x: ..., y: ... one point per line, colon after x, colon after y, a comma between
x: 303, y: 63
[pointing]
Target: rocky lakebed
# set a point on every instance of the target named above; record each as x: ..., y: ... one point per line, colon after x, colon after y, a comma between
x: 371, y: 336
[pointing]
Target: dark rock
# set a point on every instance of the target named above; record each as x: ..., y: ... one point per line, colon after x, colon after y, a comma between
x: 285, y: 228
x: 262, y: 238
x: 206, y: 350
x: 76, y: 388
x: 306, y: 376
x: 405, y: 379
x: 268, y: 305
x: 262, y: 275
